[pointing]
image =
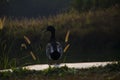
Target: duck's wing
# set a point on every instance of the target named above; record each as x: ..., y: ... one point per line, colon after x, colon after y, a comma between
x: 49, y: 50
x: 59, y: 48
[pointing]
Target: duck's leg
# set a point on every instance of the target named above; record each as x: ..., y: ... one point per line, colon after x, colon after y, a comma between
x: 49, y: 62
x: 57, y: 63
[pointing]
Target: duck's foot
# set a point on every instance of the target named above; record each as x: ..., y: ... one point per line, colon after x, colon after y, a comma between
x: 56, y: 65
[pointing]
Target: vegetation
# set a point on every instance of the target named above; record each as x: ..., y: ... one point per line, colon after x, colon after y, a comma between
x: 108, y: 72
x: 96, y: 34
x: 94, y: 27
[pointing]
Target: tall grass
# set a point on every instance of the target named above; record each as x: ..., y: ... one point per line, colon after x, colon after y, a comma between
x: 5, y: 61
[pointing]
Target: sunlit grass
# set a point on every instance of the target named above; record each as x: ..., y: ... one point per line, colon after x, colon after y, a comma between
x: 2, y: 22
x: 75, y: 21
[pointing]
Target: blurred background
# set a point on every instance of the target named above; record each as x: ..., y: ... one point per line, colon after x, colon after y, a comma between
x: 33, y: 8
x: 94, y: 30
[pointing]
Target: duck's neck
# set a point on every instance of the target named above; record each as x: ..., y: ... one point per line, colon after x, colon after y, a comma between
x: 52, y: 38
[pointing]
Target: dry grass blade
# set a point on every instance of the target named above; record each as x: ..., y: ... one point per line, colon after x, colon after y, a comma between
x: 2, y: 23
x: 24, y: 46
x: 67, y: 36
x: 66, y: 48
x: 32, y: 54
x: 27, y: 39
x: 4, y: 19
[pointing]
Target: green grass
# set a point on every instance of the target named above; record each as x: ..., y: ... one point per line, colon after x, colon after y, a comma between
x: 94, y: 36
x: 5, y: 49
x: 108, y: 72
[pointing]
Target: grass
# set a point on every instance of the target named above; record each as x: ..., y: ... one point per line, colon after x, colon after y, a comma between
x: 94, y: 36
x: 5, y: 61
x: 108, y: 72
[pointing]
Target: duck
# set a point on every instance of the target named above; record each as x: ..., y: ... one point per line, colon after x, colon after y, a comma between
x: 54, y: 48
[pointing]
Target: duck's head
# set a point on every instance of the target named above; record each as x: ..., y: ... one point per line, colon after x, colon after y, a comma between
x: 51, y: 28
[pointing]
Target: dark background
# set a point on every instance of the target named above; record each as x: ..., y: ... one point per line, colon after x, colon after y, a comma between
x: 32, y: 8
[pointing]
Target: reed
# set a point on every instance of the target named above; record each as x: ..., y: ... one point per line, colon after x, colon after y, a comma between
x: 67, y: 44
x: 29, y: 45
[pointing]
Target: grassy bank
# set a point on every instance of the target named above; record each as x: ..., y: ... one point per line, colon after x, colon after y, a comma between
x: 94, y: 36
x: 108, y: 72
